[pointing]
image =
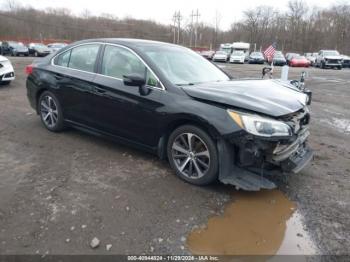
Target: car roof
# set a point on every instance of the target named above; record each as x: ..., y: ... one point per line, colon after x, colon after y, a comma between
x: 129, y: 42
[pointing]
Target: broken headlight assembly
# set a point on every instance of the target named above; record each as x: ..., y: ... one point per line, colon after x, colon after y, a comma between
x: 260, y: 126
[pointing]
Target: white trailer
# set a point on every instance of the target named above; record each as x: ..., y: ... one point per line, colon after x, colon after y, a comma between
x: 241, y: 46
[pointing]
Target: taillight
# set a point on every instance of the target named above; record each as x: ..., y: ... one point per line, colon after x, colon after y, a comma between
x: 29, y: 69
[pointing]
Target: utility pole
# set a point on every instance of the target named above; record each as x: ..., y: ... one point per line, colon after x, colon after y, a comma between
x: 179, y: 18
x: 191, y: 32
x: 197, y: 15
x: 174, y: 26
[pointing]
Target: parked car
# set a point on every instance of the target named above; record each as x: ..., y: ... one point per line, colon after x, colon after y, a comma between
x: 220, y: 56
x: 38, y: 49
x: 14, y: 49
x: 256, y: 58
x: 174, y: 103
x: 289, y: 56
x: 208, y: 54
x: 330, y: 59
x: 299, y: 61
x: 54, y: 47
x: 237, y: 57
x: 311, y: 57
x: 346, y: 61
x: 7, y: 74
x: 279, y: 59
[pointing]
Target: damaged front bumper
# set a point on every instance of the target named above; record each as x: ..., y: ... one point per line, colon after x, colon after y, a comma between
x: 247, y: 161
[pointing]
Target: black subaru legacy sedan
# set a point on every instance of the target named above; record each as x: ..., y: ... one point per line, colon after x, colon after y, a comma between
x: 168, y: 100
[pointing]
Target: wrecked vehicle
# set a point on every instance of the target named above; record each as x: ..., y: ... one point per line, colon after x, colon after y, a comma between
x: 172, y: 102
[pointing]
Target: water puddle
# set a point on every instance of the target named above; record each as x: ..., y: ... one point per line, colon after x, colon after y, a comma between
x: 255, y: 223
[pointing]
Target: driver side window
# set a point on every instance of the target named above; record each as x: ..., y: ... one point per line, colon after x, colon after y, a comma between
x: 118, y: 61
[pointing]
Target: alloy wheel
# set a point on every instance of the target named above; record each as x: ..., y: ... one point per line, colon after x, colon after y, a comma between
x: 49, y: 112
x: 191, y: 155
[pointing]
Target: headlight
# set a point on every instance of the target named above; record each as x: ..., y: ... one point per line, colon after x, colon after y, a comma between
x: 260, y: 126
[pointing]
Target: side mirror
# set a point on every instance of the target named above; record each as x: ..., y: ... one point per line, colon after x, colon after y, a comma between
x: 134, y: 80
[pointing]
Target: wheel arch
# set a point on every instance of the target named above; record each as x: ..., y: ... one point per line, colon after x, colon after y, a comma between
x: 163, y: 141
x: 37, y: 97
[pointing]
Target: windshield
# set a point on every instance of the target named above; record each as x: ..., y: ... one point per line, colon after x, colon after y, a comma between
x: 226, y: 50
x: 330, y: 53
x: 182, y: 66
x: 16, y: 44
x: 278, y: 55
x: 220, y: 53
x: 238, y: 53
x: 256, y: 54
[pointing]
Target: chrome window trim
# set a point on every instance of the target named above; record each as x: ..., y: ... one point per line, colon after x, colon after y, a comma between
x: 93, y: 73
x: 59, y: 53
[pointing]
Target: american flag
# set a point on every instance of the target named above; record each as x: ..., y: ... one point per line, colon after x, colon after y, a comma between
x: 270, y: 51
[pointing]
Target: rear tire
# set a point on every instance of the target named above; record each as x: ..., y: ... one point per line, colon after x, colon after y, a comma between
x: 50, y: 112
x: 193, y: 155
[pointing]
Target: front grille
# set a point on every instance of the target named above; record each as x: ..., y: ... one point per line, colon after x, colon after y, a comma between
x: 333, y: 61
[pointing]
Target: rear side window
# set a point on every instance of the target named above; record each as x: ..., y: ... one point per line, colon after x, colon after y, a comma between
x: 84, y: 57
x: 63, y: 59
x: 81, y: 58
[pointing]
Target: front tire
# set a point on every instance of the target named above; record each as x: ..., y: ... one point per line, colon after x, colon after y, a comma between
x: 193, y: 155
x: 50, y: 112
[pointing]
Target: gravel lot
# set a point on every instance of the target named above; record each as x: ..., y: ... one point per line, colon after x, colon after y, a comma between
x: 59, y: 191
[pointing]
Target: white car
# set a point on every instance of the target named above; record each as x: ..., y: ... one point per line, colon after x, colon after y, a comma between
x: 54, y: 47
x: 7, y: 73
x: 220, y: 56
x: 237, y: 57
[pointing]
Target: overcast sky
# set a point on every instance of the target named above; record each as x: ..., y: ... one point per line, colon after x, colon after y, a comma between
x: 163, y: 10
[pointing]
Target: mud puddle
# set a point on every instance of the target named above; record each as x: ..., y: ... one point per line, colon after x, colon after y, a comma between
x: 255, y: 223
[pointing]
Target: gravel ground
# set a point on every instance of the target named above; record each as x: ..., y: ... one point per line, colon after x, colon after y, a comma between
x: 59, y: 191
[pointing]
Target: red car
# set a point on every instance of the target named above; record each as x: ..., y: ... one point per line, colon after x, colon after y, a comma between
x: 299, y: 61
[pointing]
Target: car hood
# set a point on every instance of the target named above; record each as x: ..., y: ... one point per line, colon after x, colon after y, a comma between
x: 279, y: 58
x: 2, y: 58
x: 237, y: 56
x: 271, y: 97
x: 43, y: 49
x: 21, y: 49
x: 332, y: 57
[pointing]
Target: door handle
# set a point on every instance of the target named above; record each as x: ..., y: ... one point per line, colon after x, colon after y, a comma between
x: 100, y: 90
x: 59, y: 77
